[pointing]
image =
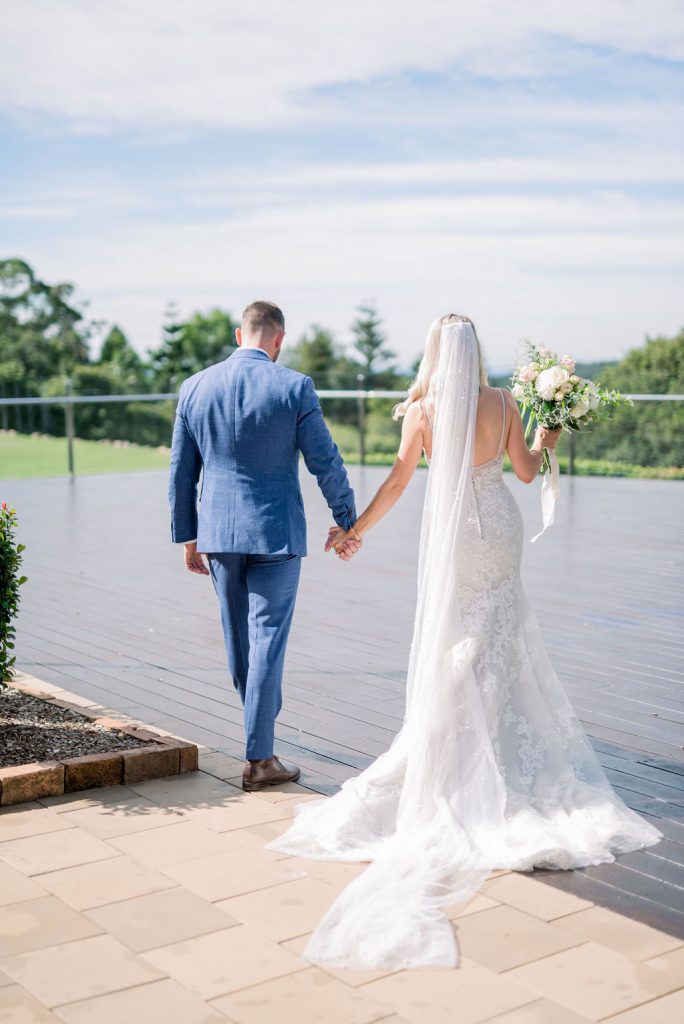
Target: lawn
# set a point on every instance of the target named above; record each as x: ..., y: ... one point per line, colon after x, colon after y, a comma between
x: 24, y: 456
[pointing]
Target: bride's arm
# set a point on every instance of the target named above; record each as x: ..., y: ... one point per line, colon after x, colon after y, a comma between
x: 526, y: 462
x: 389, y: 492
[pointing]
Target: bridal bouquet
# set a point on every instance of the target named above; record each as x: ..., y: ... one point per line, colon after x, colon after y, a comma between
x: 551, y: 394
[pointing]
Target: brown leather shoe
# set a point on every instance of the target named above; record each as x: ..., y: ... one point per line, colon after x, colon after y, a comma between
x: 269, y: 772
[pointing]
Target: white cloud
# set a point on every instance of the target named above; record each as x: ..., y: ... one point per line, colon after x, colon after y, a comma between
x: 204, y: 63
x: 580, y: 273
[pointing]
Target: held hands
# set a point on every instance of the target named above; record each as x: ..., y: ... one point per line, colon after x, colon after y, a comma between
x: 343, y: 542
x: 194, y: 560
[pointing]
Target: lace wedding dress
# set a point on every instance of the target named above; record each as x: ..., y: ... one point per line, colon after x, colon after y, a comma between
x: 491, y: 768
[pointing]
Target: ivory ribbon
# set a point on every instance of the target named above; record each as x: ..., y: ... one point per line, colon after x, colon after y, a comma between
x: 549, y: 493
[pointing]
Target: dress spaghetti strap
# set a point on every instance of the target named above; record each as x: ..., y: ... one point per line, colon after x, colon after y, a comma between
x: 503, y: 425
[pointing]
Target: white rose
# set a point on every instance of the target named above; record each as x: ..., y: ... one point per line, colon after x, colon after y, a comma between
x: 581, y: 409
x: 518, y: 391
x: 559, y: 396
x: 549, y: 381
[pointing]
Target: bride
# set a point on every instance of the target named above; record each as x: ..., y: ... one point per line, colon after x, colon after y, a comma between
x: 491, y: 768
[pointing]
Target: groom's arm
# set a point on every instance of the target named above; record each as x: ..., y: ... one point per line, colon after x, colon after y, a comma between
x: 185, y: 469
x: 322, y: 457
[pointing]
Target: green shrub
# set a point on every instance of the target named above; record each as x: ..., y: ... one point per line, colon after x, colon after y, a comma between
x: 10, y: 581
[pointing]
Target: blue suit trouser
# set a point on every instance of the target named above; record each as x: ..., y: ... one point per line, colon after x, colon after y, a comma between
x: 257, y: 596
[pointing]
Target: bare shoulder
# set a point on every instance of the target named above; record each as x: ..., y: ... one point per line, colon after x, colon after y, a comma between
x: 415, y: 419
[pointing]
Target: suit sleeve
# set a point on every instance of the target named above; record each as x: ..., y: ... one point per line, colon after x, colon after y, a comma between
x: 322, y: 457
x: 185, y: 469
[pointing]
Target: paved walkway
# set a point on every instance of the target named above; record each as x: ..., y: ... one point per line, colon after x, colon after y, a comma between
x: 159, y: 903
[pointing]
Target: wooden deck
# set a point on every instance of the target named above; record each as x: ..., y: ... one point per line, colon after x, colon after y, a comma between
x: 110, y: 613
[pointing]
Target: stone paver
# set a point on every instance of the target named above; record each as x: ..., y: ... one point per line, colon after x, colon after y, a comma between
x: 432, y: 996
x: 18, y: 1007
x: 540, y: 1012
x: 668, y: 1010
x: 28, y: 820
x: 631, y: 938
x: 283, y: 911
x: 233, y: 873
x: 504, y: 937
x: 213, y: 965
x: 670, y: 963
x: 542, y: 901
x: 308, y: 995
x: 159, y: 1002
x: 71, y: 847
x: 135, y: 815
x: 593, y: 981
x: 34, y: 924
x: 147, y: 922
x: 88, y: 798
x: 94, y: 885
x: 15, y: 886
x: 78, y: 970
x: 159, y: 902
x: 174, y: 844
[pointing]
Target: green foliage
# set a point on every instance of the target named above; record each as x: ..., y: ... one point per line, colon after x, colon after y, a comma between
x: 10, y: 582
x: 369, y: 343
x: 41, y: 332
x: 126, y: 366
x: 44, y: 338
x: 188, y: 347
x: 316, y: 355
x: 647, y: 433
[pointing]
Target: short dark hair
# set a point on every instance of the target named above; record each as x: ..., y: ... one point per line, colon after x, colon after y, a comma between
x: 263, y: 314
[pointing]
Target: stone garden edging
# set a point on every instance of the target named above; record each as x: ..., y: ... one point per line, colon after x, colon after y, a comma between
x: 166, y: 754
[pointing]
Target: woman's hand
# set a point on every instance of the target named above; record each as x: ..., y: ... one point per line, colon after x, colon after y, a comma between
x: 344, y: 543
x: 545, y: 438
x: 548, y: 438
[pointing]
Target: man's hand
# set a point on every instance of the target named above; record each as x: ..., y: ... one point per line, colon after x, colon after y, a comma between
x: 343, y: 542
x: 194, y: 561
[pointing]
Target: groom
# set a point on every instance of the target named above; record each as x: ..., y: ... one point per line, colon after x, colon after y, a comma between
x: 242, y: 424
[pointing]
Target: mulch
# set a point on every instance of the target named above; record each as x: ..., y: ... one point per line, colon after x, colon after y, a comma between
x: 34, y: 730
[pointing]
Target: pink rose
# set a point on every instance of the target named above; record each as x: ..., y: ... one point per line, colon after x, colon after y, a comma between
x: 569, y: 363
x: 528, y: 373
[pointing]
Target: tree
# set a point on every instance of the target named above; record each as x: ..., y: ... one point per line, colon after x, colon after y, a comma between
x: 647, y: 433
x: 41, y: 332
x: 126, y: 366
x: 369, y: 342
x: 315, y: 354
x: 190, y: 346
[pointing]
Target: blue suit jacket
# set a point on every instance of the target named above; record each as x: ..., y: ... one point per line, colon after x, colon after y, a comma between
x: 242, y: 423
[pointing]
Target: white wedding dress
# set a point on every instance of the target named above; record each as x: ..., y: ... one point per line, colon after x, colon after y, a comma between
x: 491, y: 768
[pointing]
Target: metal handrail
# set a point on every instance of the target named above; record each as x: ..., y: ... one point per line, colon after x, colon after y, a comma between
x: 322, y: 393
x: 361, y: 395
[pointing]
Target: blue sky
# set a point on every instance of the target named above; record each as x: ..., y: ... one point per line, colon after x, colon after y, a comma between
x: 520, y: 164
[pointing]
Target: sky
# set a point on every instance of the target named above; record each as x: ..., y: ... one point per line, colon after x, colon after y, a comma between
x: 519, y: 163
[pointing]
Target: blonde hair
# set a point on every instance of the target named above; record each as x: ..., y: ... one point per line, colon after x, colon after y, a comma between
x: 422, y: 385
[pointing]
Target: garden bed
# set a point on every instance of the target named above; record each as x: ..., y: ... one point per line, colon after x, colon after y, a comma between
x: 50, y: 744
